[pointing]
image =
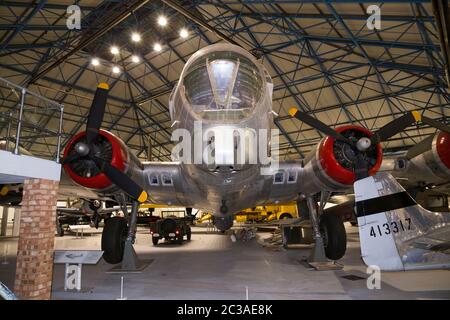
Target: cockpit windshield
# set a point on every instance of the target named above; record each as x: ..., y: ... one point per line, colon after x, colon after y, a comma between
x: 223, y: 86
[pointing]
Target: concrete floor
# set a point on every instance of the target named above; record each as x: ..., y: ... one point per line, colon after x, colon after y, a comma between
x: 211, y: 266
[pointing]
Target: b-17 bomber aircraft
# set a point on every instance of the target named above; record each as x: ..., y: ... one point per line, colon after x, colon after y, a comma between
x: 220, y: 109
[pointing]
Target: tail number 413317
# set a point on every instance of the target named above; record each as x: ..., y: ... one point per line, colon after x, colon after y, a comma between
x: 387, y: 228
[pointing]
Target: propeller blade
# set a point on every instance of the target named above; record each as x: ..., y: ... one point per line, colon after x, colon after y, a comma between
x: 395, y: 126
x: 361, y: 167
x: 70, y: 158
x: 96, y: 112
x: 436, y: 124
x: 420, y: 148
x: 318, y: 125
x: 121, y: 180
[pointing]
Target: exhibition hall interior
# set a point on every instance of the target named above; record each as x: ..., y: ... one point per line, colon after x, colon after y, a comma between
x: 224, y: 150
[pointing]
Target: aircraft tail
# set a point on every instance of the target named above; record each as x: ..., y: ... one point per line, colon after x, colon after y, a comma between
x: 395, y: 232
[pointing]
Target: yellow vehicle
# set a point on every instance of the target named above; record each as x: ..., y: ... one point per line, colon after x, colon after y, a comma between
x: 268, y: 213
x: 155, y: 206
x: 204, y: 218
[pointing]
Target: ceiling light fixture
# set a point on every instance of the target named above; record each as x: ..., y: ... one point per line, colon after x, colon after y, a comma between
x: 116, y: 69
x: 184, y: 33
x: 135, y: 59
x: 114, y: 50
x: 136, y: 37
x: 162, y: 21
x: 95, y: 62
x: 157, y: 47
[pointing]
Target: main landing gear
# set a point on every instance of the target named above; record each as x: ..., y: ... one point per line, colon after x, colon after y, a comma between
x: 113, y: 239
x: 328, y: 232
x: 118, y: 240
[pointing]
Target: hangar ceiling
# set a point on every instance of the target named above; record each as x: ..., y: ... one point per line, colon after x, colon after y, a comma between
x: 322, y: 57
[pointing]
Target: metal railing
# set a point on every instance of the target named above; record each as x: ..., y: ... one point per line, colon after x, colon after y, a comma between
x: 11, y: 107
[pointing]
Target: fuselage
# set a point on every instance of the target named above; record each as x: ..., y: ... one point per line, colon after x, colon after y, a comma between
x: 222, y: 108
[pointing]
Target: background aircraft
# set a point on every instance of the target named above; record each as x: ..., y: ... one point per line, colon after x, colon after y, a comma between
x: 84, y: 211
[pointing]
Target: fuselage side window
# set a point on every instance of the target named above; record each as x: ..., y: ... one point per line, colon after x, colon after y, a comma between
x: 278, y: 178
x: 154, y: 181
x: 292, y: 176
x: 166, y: 179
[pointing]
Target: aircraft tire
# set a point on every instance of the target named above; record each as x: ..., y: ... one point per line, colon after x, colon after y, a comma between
x: 189, y: 234
x: 59, y: 229
x: 285, y: 216
x: 334, y: 236
x: 113, y: 239
x: 155, y: 241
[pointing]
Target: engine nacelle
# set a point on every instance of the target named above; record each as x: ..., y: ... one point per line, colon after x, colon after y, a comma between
x: 432, y: 166
x: 85, y: 173
x: 330, y: 165
x: 438, y: 158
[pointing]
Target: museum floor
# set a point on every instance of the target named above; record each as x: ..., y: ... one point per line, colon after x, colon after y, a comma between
x: 211, y: 266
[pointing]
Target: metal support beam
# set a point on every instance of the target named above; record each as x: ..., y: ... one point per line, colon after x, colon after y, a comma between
x: 198, y: 21
x: 23, y: 23
x: 4, y: 221
x: 90, y: 39
x: 441, y: 11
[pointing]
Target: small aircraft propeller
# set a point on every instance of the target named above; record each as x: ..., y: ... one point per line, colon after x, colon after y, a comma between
x: 87, y: 150
x: 360, y: 146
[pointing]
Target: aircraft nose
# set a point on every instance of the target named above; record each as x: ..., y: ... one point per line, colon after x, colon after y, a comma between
x: 223, y: 85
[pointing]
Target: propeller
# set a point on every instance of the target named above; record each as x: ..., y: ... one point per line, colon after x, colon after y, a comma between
x: 317, y: 124
x: 394, y: 127
x: 96, y: 112
x: 420, y: 148
x: 88, y: 151
x: 361, y: 145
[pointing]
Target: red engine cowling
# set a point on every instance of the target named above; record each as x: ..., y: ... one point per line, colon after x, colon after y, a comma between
x: 330, y: 164
x: 443, y: 148
x: 437, y: 159
x: 85, y: 173
x: 427, y: 168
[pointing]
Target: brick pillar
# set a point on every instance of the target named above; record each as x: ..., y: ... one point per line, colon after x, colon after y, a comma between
x: 34, y: 267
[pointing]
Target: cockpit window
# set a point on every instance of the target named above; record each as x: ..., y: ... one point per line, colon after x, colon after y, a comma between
x: 223, y: 86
